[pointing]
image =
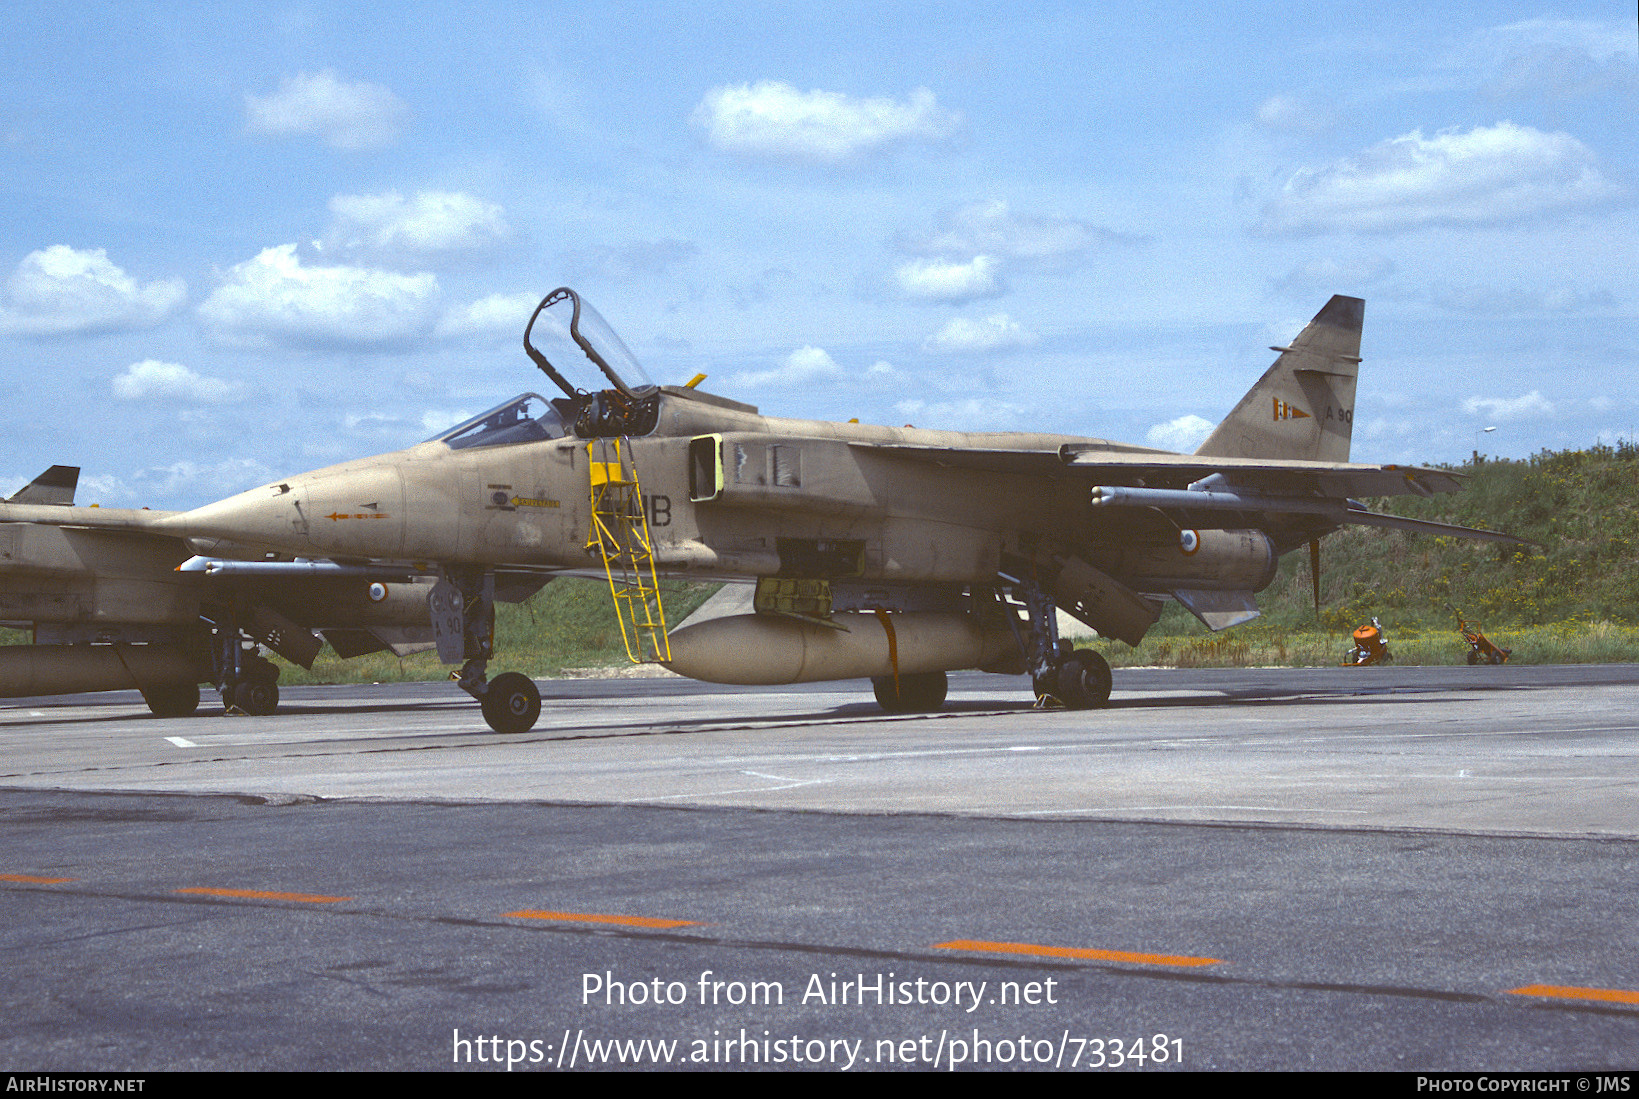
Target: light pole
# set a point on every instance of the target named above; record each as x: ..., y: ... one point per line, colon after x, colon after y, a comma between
x: 1477, y: 433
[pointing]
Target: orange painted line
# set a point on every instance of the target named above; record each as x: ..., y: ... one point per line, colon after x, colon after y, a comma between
x: 264, y: 895
x: 593, y: 917
x: 1571, y: 992
x: 32, y: 880
x: 1078, y: 952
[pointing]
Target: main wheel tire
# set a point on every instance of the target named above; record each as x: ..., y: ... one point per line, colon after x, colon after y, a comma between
x: 172, y: 699
x: 257, y: 697
x: 1084, y: 680
x: 512, y: 703
x: 921, y: 693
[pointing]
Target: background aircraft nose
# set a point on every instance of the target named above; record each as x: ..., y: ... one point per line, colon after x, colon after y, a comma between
x: 272, y: 517
x: 332, y: 513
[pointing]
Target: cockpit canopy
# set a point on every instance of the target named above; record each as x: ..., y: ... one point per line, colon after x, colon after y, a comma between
x: 624, y: 402
x: 527, y: 418
x: 576, y: 334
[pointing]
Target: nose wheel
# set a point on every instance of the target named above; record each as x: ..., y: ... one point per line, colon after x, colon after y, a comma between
x: 512, y: 703
x: 463, y: 620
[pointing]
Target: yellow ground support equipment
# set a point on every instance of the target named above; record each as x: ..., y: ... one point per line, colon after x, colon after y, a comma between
x: 620, y: 536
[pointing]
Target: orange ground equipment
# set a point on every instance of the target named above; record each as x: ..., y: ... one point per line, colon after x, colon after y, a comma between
x: 1480, y: 648
x: 1370, y: 647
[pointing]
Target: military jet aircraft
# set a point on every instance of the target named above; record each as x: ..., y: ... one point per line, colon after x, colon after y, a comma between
x: 890, y: 553
x: 113, y: 604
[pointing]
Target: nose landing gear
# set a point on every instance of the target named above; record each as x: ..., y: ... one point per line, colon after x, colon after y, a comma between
x: 463, y: 618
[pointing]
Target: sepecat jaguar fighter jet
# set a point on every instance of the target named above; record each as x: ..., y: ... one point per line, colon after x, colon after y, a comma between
x: 890, y: 553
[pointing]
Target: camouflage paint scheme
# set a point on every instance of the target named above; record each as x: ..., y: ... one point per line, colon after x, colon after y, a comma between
x: 894, y: 553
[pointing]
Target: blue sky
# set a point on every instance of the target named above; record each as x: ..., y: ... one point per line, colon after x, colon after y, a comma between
x: 244, y: 241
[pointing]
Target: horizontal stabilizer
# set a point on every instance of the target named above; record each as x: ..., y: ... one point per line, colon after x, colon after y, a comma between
x: 55, y: 486
x: 1362, y: 518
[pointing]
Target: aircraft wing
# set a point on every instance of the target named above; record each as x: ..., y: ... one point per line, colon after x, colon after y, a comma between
x: 1124, y: 477
x: 1118, y: 465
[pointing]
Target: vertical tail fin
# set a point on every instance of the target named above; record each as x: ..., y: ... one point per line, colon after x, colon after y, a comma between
x: 1303, y: 406
x: 55, y: 486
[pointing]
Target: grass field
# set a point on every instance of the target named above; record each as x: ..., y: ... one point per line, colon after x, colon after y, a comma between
x: 1577, y: 641
x: 568, y: 624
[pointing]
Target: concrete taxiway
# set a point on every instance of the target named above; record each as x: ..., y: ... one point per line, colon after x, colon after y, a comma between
x: 1514, y: 749
x: 1345, y: 868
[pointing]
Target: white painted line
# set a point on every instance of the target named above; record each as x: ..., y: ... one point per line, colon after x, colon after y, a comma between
x: 181, y: 742
x: 1174, y: 808
x: 790, y: 784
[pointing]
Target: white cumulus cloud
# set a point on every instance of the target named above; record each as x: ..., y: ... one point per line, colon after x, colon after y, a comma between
x: 61, y: 291
x: 1488, y: 175
x: 971, y: 414
x: 152, y: 380
x: 1556, y: 59
x: 944, y: 280
x: 805, y: 366
x: 427, y: 222
x: 346, y: 115
x: 963, y: 335
x: 992, y: 229
x: 190, y: 483
x: 436, y: 421
x: 772, y: 118
x: 1529, y: 407
x: 497, y: 314
x: 1183, y: 434
x: 276, y: 298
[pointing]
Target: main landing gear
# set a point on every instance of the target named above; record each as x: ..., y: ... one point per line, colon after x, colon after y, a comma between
x: 1078, y: 678
x: 249, y: 684
x: 463, y: 606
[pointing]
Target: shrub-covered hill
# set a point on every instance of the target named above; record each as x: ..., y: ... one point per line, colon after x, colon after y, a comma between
x: 1580, y: 507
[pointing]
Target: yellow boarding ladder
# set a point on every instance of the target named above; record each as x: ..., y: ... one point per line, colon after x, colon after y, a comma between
x: 620, y: 535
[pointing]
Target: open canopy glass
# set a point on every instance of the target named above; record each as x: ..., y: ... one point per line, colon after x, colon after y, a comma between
x: 575, y: 335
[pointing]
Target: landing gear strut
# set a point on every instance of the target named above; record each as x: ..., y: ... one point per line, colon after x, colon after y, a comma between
x: 1079, y: 678
x: 249, y: 684
x: 463, y: 606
